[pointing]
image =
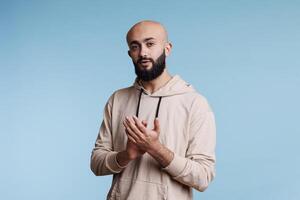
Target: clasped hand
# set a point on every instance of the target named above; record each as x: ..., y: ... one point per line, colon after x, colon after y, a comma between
x: 138, y: 133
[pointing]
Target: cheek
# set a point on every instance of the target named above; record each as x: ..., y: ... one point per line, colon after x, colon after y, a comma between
x: 134, y: 58
x: 156, y: 57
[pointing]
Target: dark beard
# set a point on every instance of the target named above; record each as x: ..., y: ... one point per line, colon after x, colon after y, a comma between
x: 156, y: 70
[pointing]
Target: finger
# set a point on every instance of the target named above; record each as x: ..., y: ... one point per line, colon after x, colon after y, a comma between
x: 156, y: 125
x: 140, y: 126
x: 129, y: 119
x: 130, y: 132
x: 144, y: 123
x: 134, y: 128
x: 131, y: 139
x: 132, y: 135
x: 130, y: 122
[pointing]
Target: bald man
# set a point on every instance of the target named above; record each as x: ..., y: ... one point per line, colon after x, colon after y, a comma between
x: 158, y: 136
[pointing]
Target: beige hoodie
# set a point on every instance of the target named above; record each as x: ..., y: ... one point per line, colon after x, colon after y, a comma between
x: 187, y: 128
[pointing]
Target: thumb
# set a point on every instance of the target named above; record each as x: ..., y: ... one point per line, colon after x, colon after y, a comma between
x: 156, y: 125
x: 144, y: 123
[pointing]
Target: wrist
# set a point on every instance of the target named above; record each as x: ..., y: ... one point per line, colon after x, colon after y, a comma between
x: 155, y: 148
x: 161, y: 154
x: 123, y: 158
x: 129, y: 155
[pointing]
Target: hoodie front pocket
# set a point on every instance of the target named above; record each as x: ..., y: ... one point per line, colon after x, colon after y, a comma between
x: 130, y: 189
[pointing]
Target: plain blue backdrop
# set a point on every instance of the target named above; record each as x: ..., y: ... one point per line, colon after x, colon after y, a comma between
x: 61, y: 60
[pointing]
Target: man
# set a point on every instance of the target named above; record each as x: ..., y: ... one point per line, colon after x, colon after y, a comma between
x: 157, y: 137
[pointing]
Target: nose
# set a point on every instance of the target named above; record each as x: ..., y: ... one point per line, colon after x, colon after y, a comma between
x: 143, y: 51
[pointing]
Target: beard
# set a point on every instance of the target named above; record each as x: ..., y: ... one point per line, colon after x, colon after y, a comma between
x: 156, y: 70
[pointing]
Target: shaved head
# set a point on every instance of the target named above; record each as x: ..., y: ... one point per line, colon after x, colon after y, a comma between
x: 148, y: 48
x: 150, y: 27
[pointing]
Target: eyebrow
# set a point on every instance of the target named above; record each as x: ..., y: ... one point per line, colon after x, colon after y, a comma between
x: 145, y: 40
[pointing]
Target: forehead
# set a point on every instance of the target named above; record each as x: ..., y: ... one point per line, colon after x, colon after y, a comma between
x: 142, y: 32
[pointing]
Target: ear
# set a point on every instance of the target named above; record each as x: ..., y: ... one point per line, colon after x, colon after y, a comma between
x: 129, y: 53
x: 168, y: 48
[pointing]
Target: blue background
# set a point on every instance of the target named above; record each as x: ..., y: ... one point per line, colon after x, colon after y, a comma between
x: 61, y: 60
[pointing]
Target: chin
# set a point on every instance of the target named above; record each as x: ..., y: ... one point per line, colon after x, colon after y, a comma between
x: 148, y: 67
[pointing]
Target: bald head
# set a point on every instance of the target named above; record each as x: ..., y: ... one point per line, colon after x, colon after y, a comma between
x: 148, y: 48
x: 147, y: 28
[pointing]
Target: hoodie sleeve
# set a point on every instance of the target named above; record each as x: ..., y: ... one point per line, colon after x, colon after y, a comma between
x: 196, y: 169
x: 103, y: 158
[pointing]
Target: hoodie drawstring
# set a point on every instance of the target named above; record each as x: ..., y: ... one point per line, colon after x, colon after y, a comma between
x: 138, y: 106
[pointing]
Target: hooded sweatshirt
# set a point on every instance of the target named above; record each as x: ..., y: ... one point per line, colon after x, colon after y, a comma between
x: 187, y: 128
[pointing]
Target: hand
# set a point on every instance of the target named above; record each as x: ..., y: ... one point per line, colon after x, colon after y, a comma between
x: 138, y: 134
x: 132, y: 149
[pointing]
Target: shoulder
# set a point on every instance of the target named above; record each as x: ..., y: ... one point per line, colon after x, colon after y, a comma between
x: 199, y: 102
x: 121, y: 94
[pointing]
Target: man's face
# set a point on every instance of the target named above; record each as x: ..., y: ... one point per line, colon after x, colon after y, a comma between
x: 147, y: 51
x: 150, y: 73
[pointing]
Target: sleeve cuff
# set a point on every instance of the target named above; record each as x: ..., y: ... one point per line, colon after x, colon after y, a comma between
x: 176, y: 166
x: 112, y: 164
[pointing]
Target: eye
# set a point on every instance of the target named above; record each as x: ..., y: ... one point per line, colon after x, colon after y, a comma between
x: 149, y: 44
x: 134, y: 47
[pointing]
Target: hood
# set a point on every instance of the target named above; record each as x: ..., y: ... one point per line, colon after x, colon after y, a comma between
x: 176, y: 85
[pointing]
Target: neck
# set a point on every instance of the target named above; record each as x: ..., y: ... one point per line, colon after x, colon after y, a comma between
x: 155, y: 84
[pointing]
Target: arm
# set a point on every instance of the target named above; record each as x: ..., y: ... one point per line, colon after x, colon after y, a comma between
x: 103, y: 158
x: 161, y: 154
x: 196, y: 169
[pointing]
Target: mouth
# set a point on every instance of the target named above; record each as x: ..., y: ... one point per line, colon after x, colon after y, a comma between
x: 144, y: 61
